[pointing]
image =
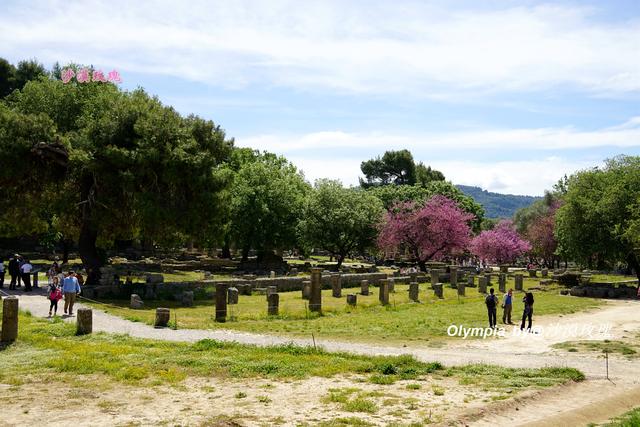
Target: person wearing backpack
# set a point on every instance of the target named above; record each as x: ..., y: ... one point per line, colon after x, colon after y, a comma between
x: 528, y: 310
x: 55, y: 295
x: 491, y: 301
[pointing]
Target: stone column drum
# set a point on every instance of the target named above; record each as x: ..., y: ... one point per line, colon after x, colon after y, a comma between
x: 9, y: 319
x: 518, y: 282
x: 470, y: 280
x: 352, y: 299
x: 435, y: 277
x: 482, y: 284
x: 383, y: 295
x: 221, y: 302
x: 232, y: 296
x: 84, y: 321
x: 315, y: 298
x: 336, y: 286
x: 454, y: 275
x: 502, y: 283
x: 391, y: 283
x: 306, y: 289
x: 414, y: 291
x: 461, y: 288
x: 273, y: 304
x: 162, y: 317
x: 364, y: 287
x: 437, y: 290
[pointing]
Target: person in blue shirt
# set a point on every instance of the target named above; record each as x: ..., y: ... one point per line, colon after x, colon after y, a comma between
x: 507, y: 307
x: 70, y: 289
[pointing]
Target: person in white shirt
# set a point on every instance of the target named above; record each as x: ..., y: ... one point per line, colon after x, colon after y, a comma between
x: 25, y: 271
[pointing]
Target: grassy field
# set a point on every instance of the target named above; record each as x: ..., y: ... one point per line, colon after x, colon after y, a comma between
x: 400, y: 322
x: 51, y: 347
x: 630, y: 419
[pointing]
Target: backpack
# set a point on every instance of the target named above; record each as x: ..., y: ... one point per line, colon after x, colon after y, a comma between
x: 490, y: 300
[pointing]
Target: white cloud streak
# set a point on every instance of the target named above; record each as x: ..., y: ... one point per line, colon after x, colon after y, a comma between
x: 338, y: 154
x: 403, y: 47
x: 623, y: 136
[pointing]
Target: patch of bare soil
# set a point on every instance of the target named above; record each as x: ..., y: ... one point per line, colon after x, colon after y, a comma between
x: 218, y: 402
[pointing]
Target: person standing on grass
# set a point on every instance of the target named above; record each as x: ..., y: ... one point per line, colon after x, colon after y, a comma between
x: 70, y: 288
x: 507, y: 306
x: 528, y: 310
x: 55, y: 295
x: 1, y: 273
x: 25, y: 270
x: 491, y: 301
x: 14, y: 271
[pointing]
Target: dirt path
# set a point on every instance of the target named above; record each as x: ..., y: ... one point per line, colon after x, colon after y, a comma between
x: 592, y: 397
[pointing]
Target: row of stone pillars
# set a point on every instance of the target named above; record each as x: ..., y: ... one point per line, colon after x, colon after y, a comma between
x: 485, y: 281
x: 10, y: 309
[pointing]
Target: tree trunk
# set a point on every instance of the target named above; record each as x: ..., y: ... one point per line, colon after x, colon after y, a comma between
x: 89, y: 253
x: 89, y: 232
x: 245, y: 254
x: 66, y: 248
x: 340, y: 258
x: 422, y: 265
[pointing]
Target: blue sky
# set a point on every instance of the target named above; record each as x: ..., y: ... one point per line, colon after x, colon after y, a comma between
x: 506, y: 95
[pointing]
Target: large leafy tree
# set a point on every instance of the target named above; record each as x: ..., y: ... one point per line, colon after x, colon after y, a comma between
x: 340, y: 220
x: 433, y: 231
x: 108, y: 164
x: 599, y: 222
x: 267, y: 200
x: 502, y: 244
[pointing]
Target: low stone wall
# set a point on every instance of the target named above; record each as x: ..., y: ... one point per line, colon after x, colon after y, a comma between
x: 604, y: 290
x: 174, y: 290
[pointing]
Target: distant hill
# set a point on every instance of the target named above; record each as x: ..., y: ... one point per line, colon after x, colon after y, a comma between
x: 497, y: 205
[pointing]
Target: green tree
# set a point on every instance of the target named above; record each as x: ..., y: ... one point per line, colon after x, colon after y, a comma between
x: 397, y: 167
x: 597, y: 225
x: 425, y: 175
x: 27, y: 71
x: 267, y: 199
x: 340, y: 220
x: 394, y: 167
x: 7, y: 77
x: 110, y: 165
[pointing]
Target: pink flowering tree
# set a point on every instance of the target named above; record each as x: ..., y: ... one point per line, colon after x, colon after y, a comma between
x: 502, y: 245
x: 433, y: 231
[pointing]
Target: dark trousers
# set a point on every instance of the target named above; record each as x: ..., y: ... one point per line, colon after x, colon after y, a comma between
x: 14, y: 280
x: 2, y: 280
x: 526, y: 315
x: 26, y: 278
x: 506, y: 313
x: 53, y: 306
x: 492, y: 316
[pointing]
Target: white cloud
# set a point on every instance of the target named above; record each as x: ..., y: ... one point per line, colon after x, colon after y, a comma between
x: 522, y: 161
x: 365, y: 47
x: 511, y: 140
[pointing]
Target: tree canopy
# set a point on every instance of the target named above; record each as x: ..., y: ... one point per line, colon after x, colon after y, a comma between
x: 399, y: 168
x: 340, y: 220
x: 267, y: 200
x: 109, y: 164
x: 432, y: 231
x: 598, y: 224
x: 502, y: 244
